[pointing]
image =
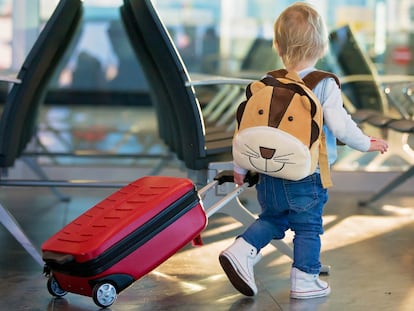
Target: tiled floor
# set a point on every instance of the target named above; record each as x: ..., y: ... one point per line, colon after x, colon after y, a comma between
x: 370, y: 249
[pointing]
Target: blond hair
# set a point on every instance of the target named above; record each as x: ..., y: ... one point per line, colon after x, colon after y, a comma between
x: 300, y: 34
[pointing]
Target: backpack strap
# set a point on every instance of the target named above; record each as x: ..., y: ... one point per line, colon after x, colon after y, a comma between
x: 311, y: 81
x: 324, y: 168
x: 280, y: 73
x: 313, y: 78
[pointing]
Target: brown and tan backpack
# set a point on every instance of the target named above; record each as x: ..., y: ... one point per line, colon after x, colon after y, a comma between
x: 280, y: 127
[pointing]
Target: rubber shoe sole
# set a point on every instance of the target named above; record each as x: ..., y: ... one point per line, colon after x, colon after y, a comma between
x: 234, y: 277
x: 310, y: 294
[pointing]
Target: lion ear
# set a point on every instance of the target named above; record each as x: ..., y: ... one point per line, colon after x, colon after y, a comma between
x: 256, y: 86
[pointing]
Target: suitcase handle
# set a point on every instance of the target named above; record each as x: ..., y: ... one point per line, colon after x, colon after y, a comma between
x: 251, y: 178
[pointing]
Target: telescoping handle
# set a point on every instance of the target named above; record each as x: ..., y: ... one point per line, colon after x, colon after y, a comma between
x: 227, y: 176
x: 250, y: 179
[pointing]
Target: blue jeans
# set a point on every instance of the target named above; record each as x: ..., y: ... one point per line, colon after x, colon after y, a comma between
x: 295, y: 205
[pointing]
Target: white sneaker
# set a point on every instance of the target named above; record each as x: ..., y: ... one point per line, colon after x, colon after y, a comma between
x: 237, y: 262
x: 305, y: 285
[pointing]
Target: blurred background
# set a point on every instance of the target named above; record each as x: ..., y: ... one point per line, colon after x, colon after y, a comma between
x: 214, y: 37
x: 231, y: 38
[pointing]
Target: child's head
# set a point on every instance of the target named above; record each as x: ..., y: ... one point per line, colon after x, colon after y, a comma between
x: 300, y: 34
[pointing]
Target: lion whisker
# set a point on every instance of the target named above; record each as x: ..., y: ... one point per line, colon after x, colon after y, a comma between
x: 283, y: 155
x: 283, y: 161
x: 251, y: 155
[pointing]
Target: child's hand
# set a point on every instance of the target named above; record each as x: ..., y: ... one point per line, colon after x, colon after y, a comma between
x: 378, y: 144
x: 238, y: 178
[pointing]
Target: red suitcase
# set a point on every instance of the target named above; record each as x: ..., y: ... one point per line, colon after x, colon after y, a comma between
x: 122, y: 238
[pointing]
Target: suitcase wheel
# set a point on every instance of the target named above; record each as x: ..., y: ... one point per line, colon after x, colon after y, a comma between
x: 54, y: 288
x: 104, y: 294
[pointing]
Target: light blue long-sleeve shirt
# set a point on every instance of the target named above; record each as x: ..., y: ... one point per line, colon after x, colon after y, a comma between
x: 338, y: 124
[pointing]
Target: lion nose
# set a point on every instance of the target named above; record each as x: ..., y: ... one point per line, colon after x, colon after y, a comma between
x: 267, y: 153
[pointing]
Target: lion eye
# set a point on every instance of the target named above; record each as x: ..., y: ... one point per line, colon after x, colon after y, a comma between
x: 290, y: 118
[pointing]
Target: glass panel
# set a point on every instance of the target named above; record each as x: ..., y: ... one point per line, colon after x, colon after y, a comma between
x: 101, y: 57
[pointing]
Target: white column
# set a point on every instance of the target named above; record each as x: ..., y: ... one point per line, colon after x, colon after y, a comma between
x: 25, y: 29
x: 233, y: 22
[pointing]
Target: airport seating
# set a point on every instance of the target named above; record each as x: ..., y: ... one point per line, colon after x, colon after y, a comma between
x: 175, y: 100
x: 361, y: 89
x: 399, y: 129
x: 259, y: 59
x: 184, y: 118
x: 18, y: 120
x: 19, y: 117
x: 380, y: 104
x: 360, y: 79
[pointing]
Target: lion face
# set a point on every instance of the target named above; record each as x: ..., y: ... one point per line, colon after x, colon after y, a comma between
x: 253, y: 149
x: 274, y: 135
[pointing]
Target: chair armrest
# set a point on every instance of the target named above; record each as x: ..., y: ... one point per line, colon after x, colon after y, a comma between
x: 9, y: 79
x: 202, y: 80
x: 381, y: 79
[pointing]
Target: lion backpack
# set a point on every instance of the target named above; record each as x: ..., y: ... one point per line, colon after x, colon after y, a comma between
x: 280, y: 127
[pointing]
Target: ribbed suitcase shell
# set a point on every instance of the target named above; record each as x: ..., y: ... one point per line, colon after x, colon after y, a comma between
x: 126, y: 235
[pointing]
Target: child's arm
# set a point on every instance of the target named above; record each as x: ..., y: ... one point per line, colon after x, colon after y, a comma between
x: 239, y: 174
x: 343, y: 127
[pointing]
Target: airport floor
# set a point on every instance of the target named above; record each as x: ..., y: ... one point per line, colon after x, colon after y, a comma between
x: 369, y: 249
